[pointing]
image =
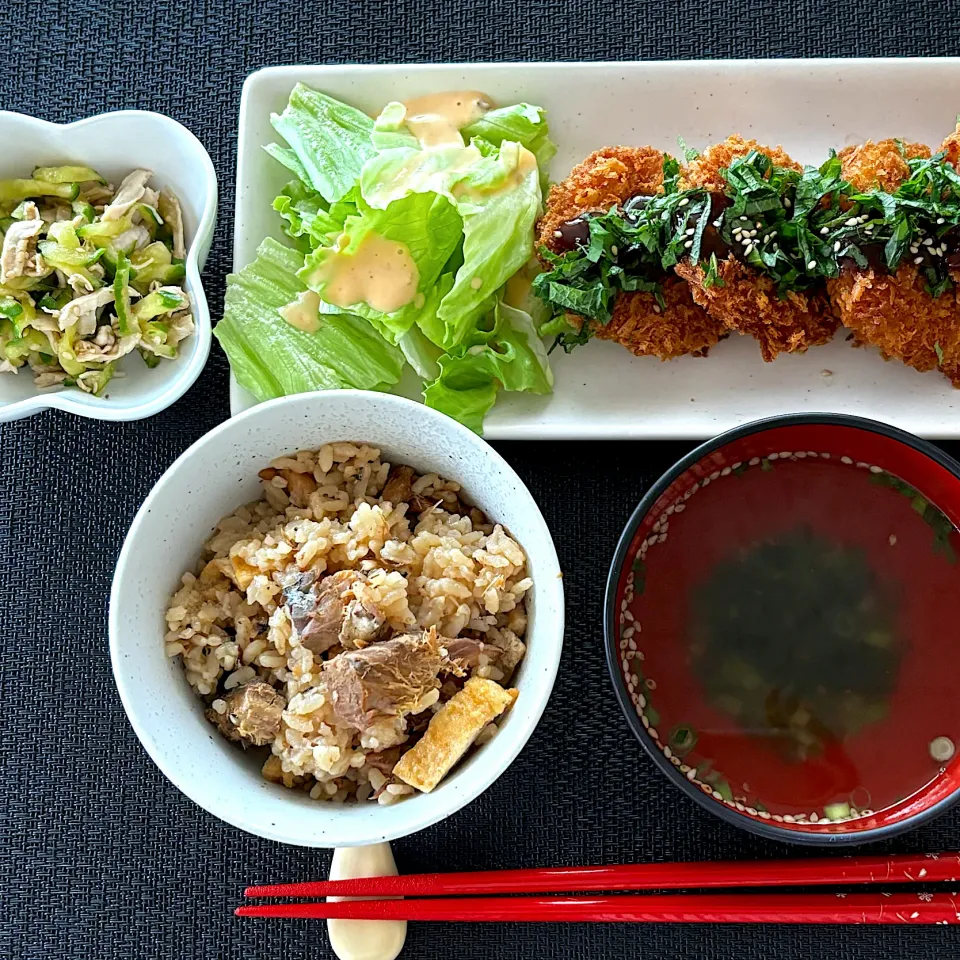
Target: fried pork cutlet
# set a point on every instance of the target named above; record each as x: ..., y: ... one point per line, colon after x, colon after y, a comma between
x: 951, y: 147
x: 894, y: 311
x: 881, y: 165
x: 606, y: 179
x: 747, y: 301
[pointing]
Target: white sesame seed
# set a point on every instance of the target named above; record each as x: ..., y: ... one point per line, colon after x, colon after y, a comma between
x: 892, y: 539
x: 927, y: 242
x: 683, y: 202
x: 687, y: 244
x: 748, y: 250
x: 753, y: 233
x: 744, y: 219
x: 812, y: 264
x: 940, y: 220
x: 766, y: 238
x: 824, y: 231
x: 914, y: 249
x: 614, y: 250
x: 942, y: 749
x: 863, y: 218
x: 876, y: 469
x: 758, y: 224
x: 918, y: 259
x: 656, y: 308
x: 786, y: 201
x: 836, y: 247
x: 868, y: 228
x: 558, y: 233
x: 852, y: 222
x: 691, y: 231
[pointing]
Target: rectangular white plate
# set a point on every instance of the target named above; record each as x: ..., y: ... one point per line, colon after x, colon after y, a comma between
x: 808, y: 106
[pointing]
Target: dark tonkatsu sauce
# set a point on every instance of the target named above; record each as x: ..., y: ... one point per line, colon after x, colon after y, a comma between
x: 570, y: 235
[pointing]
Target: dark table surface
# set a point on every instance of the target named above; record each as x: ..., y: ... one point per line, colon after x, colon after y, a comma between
x: 101, y: 858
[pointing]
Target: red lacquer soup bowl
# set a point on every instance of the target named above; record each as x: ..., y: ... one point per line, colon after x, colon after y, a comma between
x: 782, y: 620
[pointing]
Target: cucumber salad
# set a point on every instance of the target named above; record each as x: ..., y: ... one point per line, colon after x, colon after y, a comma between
x: 89, y: 272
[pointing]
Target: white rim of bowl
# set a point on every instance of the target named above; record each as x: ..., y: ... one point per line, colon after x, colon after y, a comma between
x: 485, y: 776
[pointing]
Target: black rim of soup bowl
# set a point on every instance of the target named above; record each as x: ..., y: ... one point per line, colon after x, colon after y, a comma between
x: 760, y: 828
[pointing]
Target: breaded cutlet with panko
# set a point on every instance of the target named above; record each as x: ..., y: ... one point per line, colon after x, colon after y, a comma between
x: 746, y: 300
x: 606, y: 179
x: 895, y: 312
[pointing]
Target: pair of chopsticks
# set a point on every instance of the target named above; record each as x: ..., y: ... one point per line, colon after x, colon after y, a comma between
x: 446, y: 900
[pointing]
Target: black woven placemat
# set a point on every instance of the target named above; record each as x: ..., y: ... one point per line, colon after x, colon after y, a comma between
x: 100, y: 858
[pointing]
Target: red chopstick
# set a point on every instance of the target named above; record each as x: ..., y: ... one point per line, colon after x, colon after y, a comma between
x: 932, y: 868
x: 678, y: 908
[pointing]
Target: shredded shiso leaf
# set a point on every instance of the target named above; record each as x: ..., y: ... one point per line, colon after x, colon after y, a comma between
x: 797, y: 229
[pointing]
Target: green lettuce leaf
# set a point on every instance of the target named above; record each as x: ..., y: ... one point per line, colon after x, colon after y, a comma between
x: 509, y: 355
x: 521, y: 123
x: 431, y: 229
x: 421, y: 354
x: 307, y: 217
x: 498, y: 202
x: 289, y: 159
x: 390, y: 129
x: 497, y: 240
x: 271, y: 358
x: 330, y: 139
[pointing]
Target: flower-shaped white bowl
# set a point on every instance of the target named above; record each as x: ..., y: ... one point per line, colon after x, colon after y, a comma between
x: 217, y: 475
x: 115, y: 144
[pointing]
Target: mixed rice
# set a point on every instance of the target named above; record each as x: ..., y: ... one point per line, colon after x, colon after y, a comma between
x: 355, y: 615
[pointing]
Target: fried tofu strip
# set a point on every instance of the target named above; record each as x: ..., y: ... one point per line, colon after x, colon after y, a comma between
x: 451, y: 732
x: 747, y: 302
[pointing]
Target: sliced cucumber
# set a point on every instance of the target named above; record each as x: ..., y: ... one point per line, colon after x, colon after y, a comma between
x: 23, y: 189
x: 67, y: 174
